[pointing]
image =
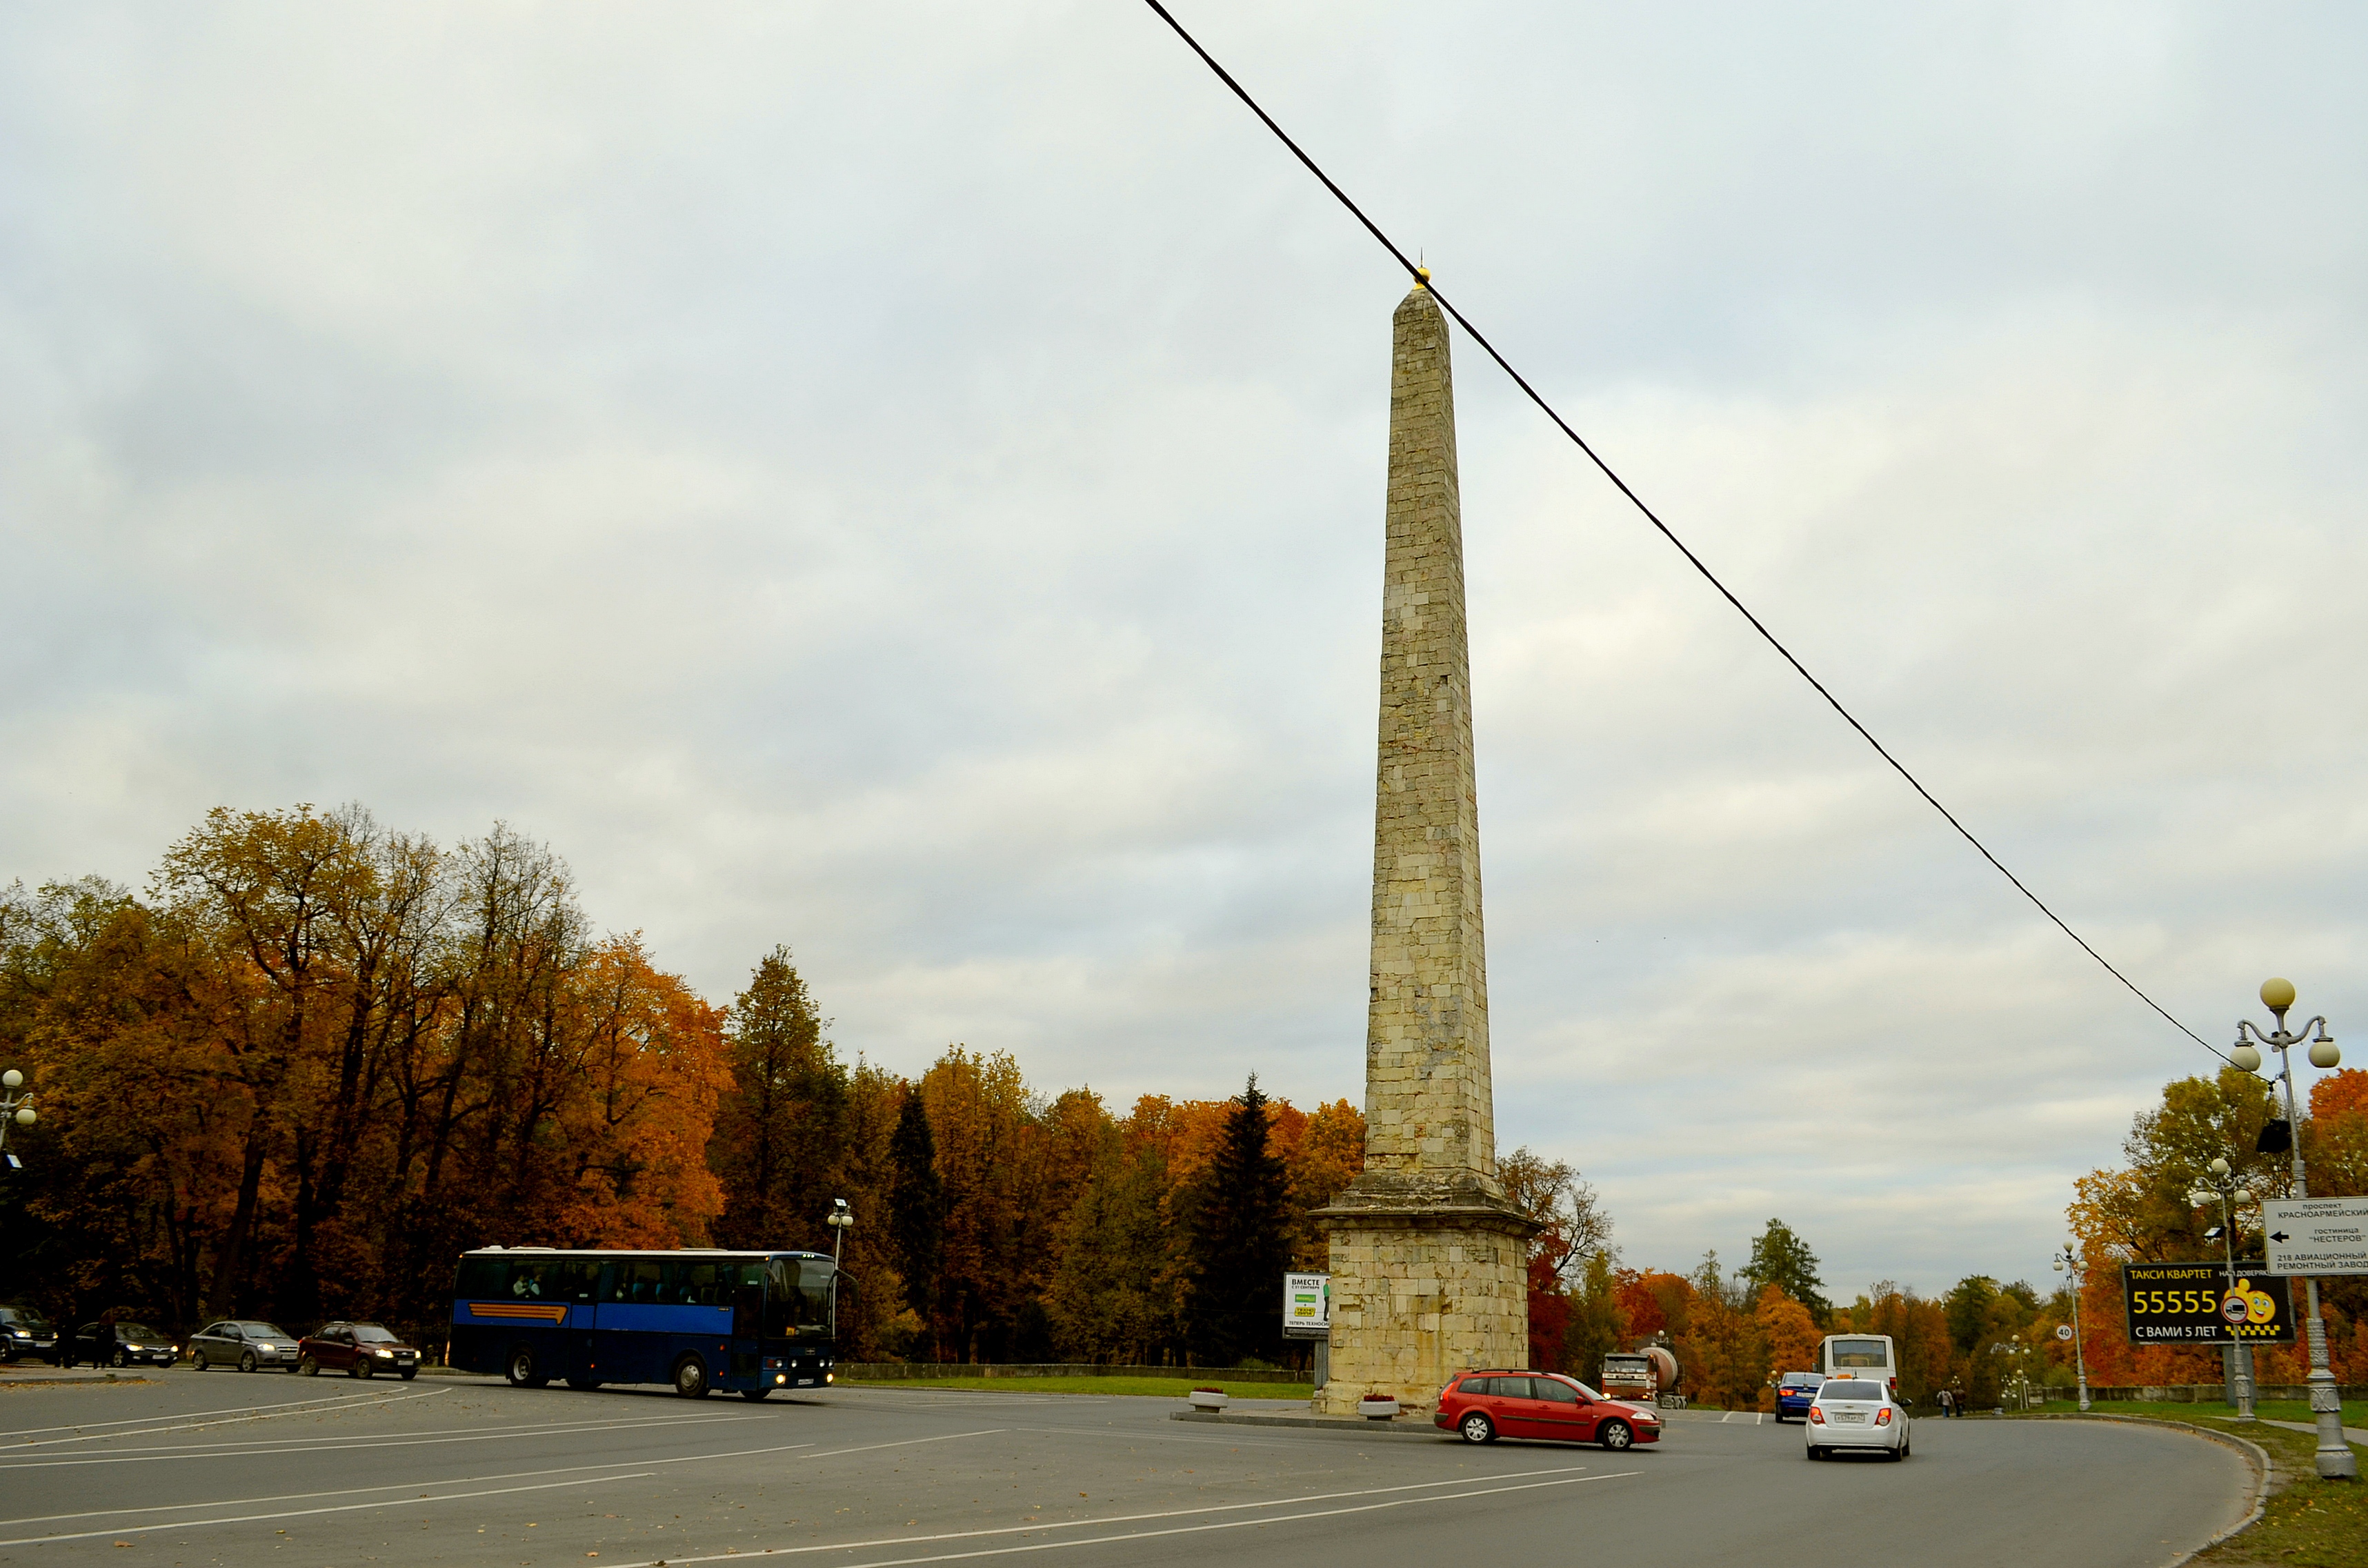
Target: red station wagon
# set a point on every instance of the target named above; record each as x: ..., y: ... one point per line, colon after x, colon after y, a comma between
x: 1483, y: 1406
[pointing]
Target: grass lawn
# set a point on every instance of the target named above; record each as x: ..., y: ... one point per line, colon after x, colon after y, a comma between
x: 2355, y: 1413
x: 1163, y: 1387
x: 2311, y: 1524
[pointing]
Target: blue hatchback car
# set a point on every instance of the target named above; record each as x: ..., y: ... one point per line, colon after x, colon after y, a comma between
x: 1793, y: 1393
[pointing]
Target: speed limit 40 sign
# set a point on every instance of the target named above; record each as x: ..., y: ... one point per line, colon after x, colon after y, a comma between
x: 2203, y: 1304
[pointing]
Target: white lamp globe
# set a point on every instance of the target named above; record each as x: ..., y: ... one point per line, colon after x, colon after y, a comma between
x: 2325, y: 1053
x: 2218, y: 1167
x: 24, y: 1116
x: 2246, y: 1058
x: 11, y: 1078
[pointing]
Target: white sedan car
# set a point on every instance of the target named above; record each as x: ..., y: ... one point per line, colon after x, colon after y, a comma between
x: 1853, y: 1413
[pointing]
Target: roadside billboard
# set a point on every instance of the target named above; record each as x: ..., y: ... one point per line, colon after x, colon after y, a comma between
x: 1307, y: 1306
x: 2201, y: 1304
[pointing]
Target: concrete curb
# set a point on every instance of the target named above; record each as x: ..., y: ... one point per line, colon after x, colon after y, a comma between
x: 2269, y: 1477
x: 1354, y: 1425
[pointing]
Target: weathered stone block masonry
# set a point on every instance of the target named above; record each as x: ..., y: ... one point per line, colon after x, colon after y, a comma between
x: 1428, y: 1257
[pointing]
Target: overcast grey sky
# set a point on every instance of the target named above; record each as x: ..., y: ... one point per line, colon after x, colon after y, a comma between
x: 906, y: 481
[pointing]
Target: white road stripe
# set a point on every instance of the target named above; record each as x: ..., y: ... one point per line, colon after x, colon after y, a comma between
x: 304, y: 1513
x: 360, y: 1442
x: 285, y: 1407
x: 581, y: 1479
x: 1126, y: 1536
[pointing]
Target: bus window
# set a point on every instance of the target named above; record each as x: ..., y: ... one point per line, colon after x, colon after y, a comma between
x: 483, y: 1279
x: 1860, y: 1353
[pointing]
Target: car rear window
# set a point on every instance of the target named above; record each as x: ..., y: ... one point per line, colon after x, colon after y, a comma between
x: 1845, y: 1390
x: 1802, y: 1380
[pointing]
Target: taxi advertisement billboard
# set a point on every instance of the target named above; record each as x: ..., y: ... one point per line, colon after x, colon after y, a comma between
x: 2203, y: 1304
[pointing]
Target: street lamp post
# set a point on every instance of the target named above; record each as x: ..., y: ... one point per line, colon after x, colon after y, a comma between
x: 2219, y: 1186
x: 2068, y: 1264
x: 840, y: 1220
x: 2335, y: 1458
x: 16, y: 1110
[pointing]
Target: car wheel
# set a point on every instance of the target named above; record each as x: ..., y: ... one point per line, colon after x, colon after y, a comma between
x: 1815, y: 1452
x: 690, y: 1377
x: 247, y: 1360
x: 753, y: 1395
x: 521, y: 1372
x: 1477, y: 1428
x: 198, y: 1361
x: 307, y: 1368
x: 121, y: 1357
x: 1615, y: 1435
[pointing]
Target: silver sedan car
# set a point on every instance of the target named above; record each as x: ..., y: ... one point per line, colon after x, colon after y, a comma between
x: 1853, y: 1412
x: 242, y: 1342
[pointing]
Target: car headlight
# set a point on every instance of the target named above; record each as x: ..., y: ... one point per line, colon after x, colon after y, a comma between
x: 383, y: 1353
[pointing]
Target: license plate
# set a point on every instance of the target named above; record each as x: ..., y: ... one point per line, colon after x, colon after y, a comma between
x: 1848, y: 1420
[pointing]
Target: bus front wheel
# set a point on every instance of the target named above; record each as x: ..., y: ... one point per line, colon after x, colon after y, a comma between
x: 521, y: 1372
x: 690, y: 1377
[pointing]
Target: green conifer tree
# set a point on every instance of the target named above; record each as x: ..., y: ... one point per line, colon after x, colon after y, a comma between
x: 916, y: 1215
x: 1240, y: 1242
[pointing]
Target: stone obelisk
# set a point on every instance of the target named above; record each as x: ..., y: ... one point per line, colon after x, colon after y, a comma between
x: 1428, y: 1259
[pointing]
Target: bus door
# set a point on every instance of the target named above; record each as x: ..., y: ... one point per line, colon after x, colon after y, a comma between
x: 586, y: 1283
x: 747, y: 1300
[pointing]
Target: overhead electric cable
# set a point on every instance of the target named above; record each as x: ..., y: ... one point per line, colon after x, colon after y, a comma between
x: 1422, y: 277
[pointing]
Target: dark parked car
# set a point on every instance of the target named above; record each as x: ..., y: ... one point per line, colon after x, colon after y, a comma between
x: 23, y: 1332
x: 1483, y: 1406
x: 121, y: 1345
x: 242, y: 1342
x: 1794, y: 1390
x: 357, y: 1350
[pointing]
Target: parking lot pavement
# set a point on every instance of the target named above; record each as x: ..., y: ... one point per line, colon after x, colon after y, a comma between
x: 229, y: 1468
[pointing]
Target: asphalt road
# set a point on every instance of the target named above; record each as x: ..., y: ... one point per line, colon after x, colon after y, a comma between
x: 220, y: 1468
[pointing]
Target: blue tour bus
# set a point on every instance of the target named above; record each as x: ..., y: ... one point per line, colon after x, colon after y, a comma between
x: 699, y: 1318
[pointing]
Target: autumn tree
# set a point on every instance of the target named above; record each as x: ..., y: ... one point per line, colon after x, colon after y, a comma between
x: 780, y: 1131
x: 1780, y: 1258
x: 1594, y: 1327
x: 1787, y: 1331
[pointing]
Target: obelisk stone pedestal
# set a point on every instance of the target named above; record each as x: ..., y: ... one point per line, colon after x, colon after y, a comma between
x: 1428, y: 1260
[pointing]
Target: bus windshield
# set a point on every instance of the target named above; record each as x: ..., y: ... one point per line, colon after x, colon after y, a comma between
x: 797, y: 1299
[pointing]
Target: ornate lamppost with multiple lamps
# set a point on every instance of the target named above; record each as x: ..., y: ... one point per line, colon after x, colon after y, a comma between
x: 2067, y: 1262
x: 2335, y: 1458
x: 2220, y: 1186
x: 16, y: 1110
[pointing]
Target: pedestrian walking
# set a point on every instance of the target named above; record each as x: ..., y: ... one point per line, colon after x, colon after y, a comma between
x: 1946, y: 1403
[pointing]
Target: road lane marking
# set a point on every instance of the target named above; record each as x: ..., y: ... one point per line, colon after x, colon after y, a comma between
x: 1137, y: 1534
x: 581, y: 1479
x: 360, y: 1442
x: 576, y: 1470
x: 284, y: 1407
x: 307, y: 1513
